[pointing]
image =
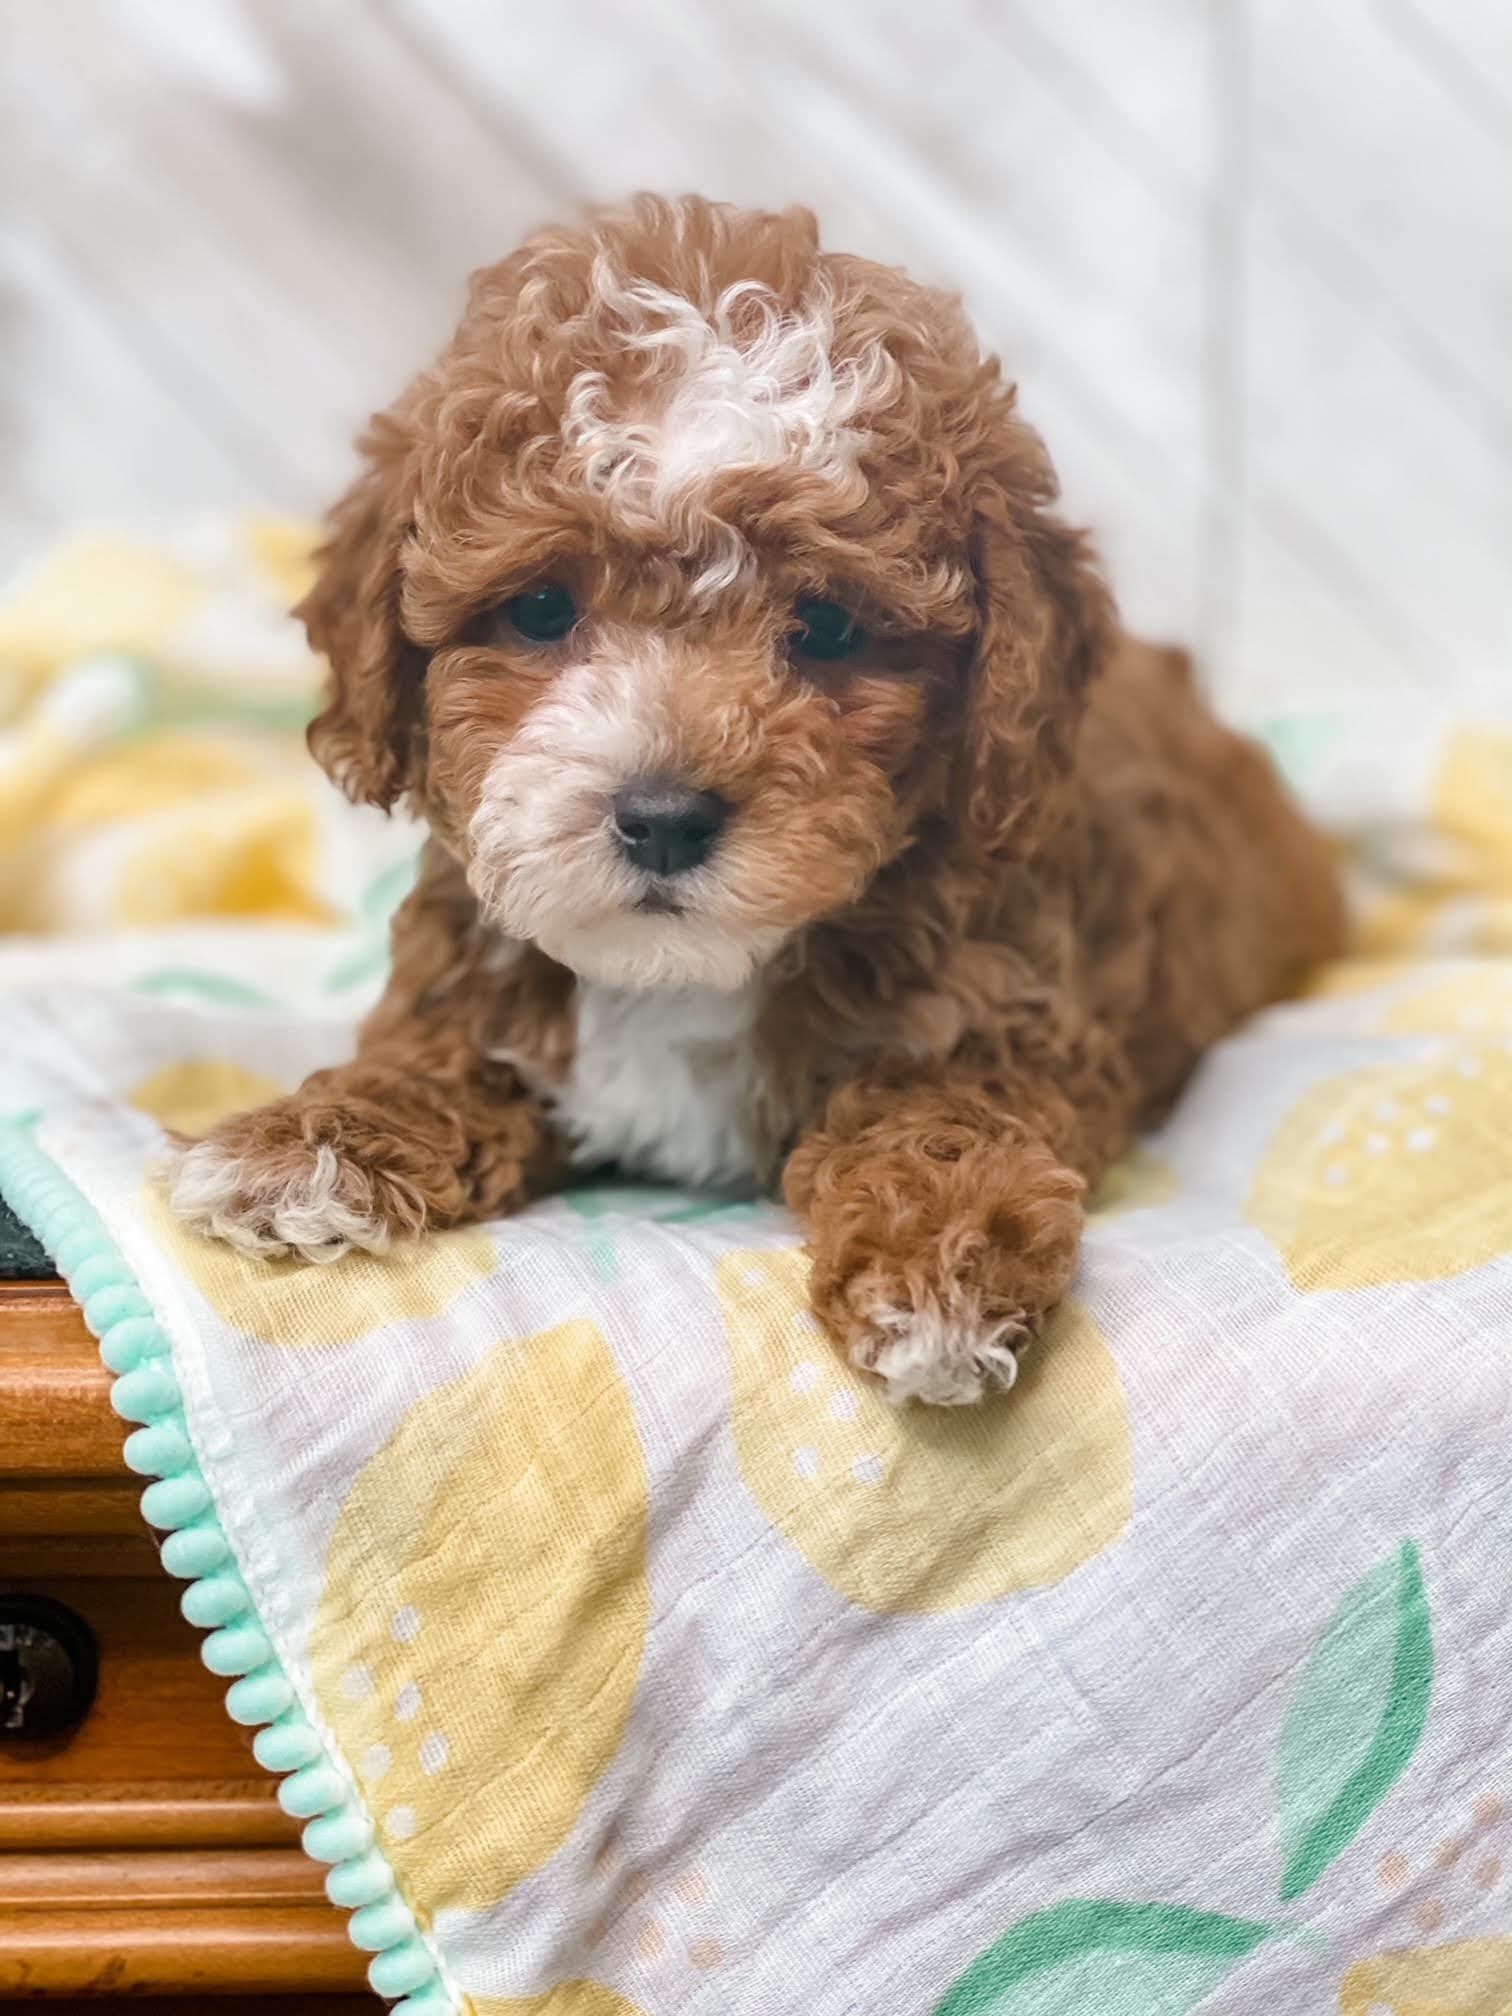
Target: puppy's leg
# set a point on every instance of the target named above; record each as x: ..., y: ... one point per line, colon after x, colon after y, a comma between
x: 426, y: 1127
x: 397, y: 1141
x: 944, y: 1220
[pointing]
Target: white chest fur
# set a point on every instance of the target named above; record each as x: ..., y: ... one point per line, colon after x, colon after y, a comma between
x: 662, y: 1083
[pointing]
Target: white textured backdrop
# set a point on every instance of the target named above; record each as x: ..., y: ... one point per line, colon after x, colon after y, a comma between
x: 1251, y: 260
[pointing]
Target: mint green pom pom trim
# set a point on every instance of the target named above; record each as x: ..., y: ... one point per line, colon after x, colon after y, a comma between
x: 339, y: 1836
x: 286, y: 1743
x: 259, y: 1697
x: 160, y: 1450
x: 175, y: 1501
x: 378, y: 1926
x: 195, y: 1548
x: 236, y: 1650
x: 129, y: 1343
x: 402, y: 1970
x: 429, y: 2002
x: 363, y: 1881
x: 314, y: 1790
x: 215, y: 1600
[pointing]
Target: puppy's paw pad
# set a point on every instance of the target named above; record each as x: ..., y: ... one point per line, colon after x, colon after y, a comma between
x: 304, y: 1198
x: 942, y: 1357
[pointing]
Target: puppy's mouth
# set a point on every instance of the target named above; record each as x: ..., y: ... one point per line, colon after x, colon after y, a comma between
x: 659, y: 902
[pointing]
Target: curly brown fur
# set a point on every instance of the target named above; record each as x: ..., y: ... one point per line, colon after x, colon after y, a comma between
x: 986, y: 890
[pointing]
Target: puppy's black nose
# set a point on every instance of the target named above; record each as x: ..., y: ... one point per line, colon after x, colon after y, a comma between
x: 665, y: 828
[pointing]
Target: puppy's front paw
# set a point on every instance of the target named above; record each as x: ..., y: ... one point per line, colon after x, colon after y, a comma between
x: 264, y: 1185
x: 945, y: 1350
x: 935, y: 1273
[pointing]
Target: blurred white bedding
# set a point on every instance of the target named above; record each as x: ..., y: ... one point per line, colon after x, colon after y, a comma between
x: 1252, y: 262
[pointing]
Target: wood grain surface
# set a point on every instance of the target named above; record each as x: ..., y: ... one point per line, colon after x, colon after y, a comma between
x: 119, y: 1949
x: 143, y: 1853
x: 225, y: 2005
x: 57, y: 1413
x: 68, y: 1504
x: 86, y: 1882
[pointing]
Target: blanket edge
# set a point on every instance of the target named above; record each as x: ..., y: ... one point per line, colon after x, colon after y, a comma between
x: 178, y: 1501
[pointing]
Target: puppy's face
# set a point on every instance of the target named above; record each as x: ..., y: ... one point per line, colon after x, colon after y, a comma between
x: 666, y: 596
x: 657, y: 768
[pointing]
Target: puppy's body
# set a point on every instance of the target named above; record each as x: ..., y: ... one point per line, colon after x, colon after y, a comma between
x: 956, y: 881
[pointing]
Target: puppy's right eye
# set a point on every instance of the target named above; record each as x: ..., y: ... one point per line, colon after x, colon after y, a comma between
x: 543, y: 614
x: 825, y: 631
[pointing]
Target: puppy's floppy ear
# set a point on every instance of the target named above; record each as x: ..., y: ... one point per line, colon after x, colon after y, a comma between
x: 1045, y: 624
x: 365, y: 739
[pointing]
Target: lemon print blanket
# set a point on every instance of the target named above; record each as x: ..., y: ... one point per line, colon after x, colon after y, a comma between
x: 625, y: 1655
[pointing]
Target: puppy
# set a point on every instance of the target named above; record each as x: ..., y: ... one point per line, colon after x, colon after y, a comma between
x: 800, y: 816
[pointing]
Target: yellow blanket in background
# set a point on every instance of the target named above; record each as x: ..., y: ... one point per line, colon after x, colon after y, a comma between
x: 152, y: 763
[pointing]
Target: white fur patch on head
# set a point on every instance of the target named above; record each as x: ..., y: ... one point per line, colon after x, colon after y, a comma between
x: 225, y: 1196
x: 751, y: 386
x: 544, y: 863
x: 945, y: 1357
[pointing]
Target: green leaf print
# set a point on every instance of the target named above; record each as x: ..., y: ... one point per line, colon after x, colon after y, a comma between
x: 369, y: 960
x: 363, y: 966
x: 1357, y: 1716
x: 1303, y: 740
x: 208, y: 986
x: 387, y: 891
x: 1117, y: 1959
x: 603, y: 1208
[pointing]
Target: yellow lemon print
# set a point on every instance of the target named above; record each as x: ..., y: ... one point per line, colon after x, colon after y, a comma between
x: 1395, y: 1173
x: 254, y: 853
x: 1403, y: 925
x: 1475, y: 1002
x: 1470, y: 1979
x: 1352, y: 976
x: 1443, y: 921
x: 293, y: 1303
x: 283, y: 550
x: 95, y: 594
x: 1494, y: 930
x: 1462, y: 899
x: 149, y: 773
x: 572, y: 1998
x: 194, y: 825
x: 1137, y: 1183
x: 1472, y: 799
x: 478, y: 1642
x: 920, y: 1510
x: 192, y: 1095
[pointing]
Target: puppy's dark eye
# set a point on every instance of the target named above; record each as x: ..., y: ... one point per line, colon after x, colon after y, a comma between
x: 826, y: 631
x: 544, y: 613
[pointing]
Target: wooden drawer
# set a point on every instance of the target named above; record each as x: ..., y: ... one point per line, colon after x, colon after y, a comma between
x: 142, y: 1851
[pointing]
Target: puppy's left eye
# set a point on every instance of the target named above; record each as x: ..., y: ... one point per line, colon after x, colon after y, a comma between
x: 826, y: 631
x: 544, y: 614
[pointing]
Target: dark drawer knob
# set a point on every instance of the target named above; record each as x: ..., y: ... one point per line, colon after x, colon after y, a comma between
x: 49, y: 1668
